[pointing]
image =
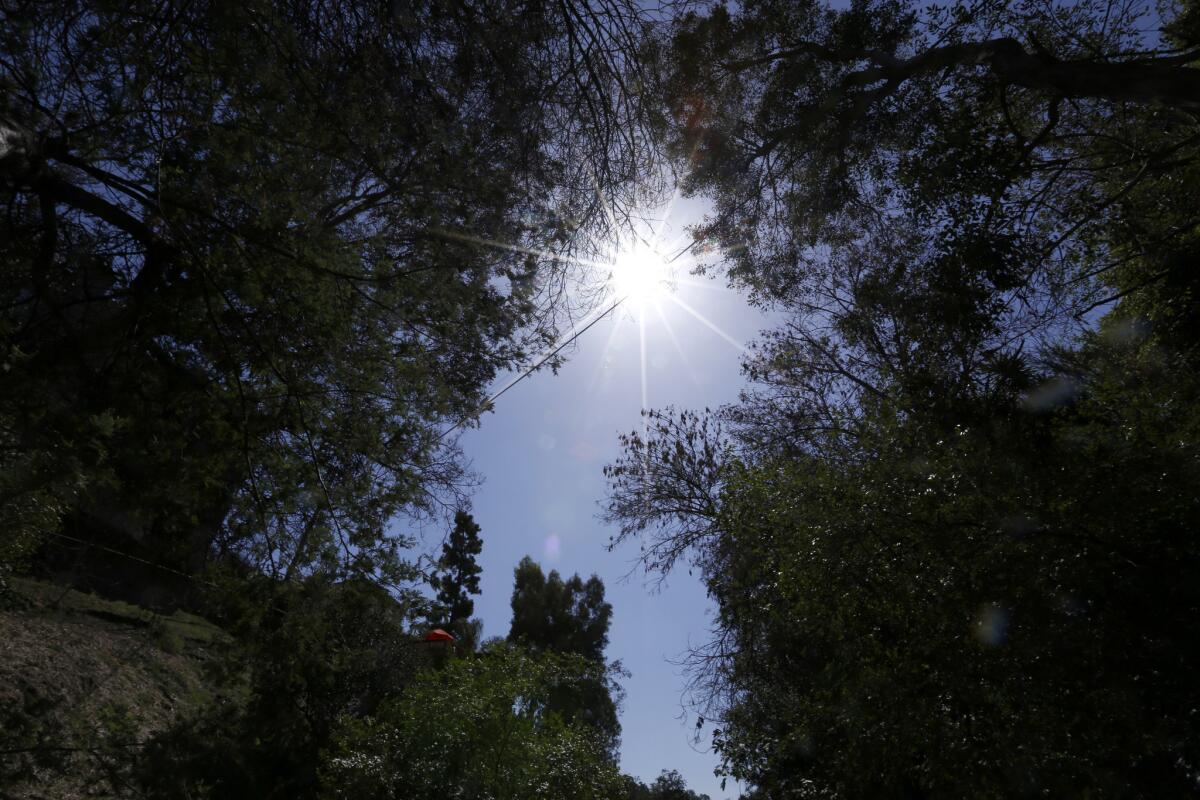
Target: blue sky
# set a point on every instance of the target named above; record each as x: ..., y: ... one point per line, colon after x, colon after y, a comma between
x: 541, y: 453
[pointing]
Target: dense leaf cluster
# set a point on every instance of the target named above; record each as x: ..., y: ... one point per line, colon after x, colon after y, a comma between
x: 246, y: 281
x: 480, y: 727
x: 950, y: 530
x: 550, y: 615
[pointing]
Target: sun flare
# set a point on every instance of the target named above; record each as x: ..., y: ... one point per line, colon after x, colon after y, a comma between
x: 640, y: 273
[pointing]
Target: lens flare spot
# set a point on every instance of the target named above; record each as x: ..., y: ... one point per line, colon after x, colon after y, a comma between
x: 552, y: 547
x: 991, y: 625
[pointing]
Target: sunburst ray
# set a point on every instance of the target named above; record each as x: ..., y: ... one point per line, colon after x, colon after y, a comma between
x: 675, y: 341
x: 711, y: 325
x: 516, y: 248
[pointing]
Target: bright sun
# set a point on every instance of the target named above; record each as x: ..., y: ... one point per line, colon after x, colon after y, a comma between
x: 639, y: 273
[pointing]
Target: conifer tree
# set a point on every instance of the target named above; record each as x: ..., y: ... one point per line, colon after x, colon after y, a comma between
x: 458, y: 575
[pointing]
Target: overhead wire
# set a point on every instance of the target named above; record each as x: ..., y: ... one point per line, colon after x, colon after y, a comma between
x: 530, y: 370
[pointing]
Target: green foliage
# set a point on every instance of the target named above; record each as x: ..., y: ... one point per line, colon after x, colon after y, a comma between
x: 994, y: 590
x: 670, y: 785
x: 242, y: 289
x: 258, y: 261
x: 551, y: 615
x: 950, y: 528
x: 480, y: 727
x: 168, y: 640
x: 982, y: 159
x: 986, y: 607
x: 302, y: 656
x: 190, y: 630
x: 457, y: 577
x: 468, y: 634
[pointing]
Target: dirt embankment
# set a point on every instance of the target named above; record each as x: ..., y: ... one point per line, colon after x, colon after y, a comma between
x: 83, y: 681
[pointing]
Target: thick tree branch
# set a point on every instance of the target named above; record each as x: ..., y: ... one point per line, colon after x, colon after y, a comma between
x: 67, y: 193
x: 1159, y: 82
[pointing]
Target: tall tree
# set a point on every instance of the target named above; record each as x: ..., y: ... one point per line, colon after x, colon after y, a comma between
x: 570, y: 617
x: 946, y: 529
x: 549, y: 613
x: 246, y: 280
x: 457, y: 577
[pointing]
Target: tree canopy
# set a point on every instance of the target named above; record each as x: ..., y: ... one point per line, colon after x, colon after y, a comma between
x: 550, y: 615
x: 260, y: 262
x: 948, y: 528
x: 481, y: 727
x: 670, y: 785
x: 931, y: 191
x: 247, y: 287
x: 458, y: 573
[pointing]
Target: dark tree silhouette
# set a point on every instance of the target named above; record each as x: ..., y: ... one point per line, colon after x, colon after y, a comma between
x: 948, y: 528
x: 457, y: 577
x: 246, y: 282
x: 570, y: 617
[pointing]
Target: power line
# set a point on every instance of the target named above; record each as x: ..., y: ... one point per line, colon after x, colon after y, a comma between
x: 553, y: 352
x: 529, y: 371
x: 130, y: 556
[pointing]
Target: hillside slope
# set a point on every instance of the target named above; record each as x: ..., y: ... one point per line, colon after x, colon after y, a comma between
x: 82, y: 680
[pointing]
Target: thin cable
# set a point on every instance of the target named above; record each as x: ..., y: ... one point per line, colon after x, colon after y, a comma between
x: 531, y: 369
x: 551, y: 354
x: 130, y: 556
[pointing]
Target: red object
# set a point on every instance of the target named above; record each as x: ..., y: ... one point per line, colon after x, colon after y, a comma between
x: 438, y: 635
